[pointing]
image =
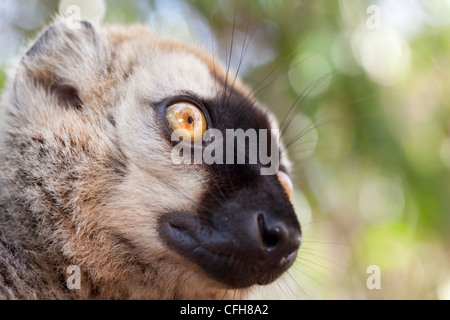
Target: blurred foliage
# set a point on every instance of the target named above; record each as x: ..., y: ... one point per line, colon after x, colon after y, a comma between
x: 2, y: 78
x: 372, y: 165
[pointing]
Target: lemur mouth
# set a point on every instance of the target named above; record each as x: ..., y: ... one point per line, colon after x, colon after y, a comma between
x: 225, y: 257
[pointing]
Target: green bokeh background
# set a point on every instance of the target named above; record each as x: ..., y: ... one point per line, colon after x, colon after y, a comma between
x: 372, y: 165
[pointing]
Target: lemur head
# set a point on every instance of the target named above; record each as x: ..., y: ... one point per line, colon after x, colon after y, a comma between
x: 90, y: 121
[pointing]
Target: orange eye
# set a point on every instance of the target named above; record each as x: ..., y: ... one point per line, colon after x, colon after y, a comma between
x: 186, y: 120
x: 286, y: 183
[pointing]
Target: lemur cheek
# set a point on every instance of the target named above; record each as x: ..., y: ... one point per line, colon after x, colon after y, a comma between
x: 286, y: 183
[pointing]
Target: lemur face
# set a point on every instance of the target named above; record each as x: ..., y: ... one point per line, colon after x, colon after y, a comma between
x: 109, y: 101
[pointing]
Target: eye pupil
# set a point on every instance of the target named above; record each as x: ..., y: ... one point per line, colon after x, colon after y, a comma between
x: 190, y: 120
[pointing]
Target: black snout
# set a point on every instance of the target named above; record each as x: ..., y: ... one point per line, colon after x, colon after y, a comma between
x: 237, y: 248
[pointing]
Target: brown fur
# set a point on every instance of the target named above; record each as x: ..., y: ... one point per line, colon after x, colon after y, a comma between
x: 83, y: 187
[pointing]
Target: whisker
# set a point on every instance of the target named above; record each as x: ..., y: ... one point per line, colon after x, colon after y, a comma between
x: 209, y: 191
x: 241, y: 59
x: 214, y: 61
x: 298, y: 102
x: 230, y: 52
x: 314, y: 249
x: 315, y: 221
x: 314, y: 125
x: 318, y: 272
x: 223, y: 297
x: 319, y: 265
x: 279, y: 291
x: 304, y: 94
x: 267, y: 85
x: 314, y: 279
x: 298, y: 285
x: 324, y: 258
x: 325, y: 242
x: 316, y: 119
x: 286, y: 284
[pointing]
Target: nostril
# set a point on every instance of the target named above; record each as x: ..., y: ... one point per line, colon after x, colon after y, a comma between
x: 270, y: 236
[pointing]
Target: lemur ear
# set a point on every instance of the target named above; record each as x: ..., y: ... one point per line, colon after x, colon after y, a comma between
x: 67, y: 54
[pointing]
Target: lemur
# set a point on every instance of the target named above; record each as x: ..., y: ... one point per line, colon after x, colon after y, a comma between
x: 87, y: 177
